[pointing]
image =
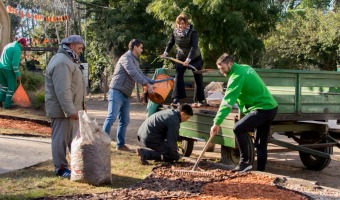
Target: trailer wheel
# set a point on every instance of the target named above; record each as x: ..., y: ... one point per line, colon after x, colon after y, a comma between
x: 313, y: 162
x: 231, y: 156
x: 187, y: 146
x: 211, y: 147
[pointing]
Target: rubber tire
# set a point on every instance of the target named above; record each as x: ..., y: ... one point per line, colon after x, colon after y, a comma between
x: 211, y: 147
x: 187, y: 146
x: 313, y: 162
x: 231, y: 156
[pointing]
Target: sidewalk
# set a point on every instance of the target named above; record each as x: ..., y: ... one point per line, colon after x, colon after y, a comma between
x: 20, y: 152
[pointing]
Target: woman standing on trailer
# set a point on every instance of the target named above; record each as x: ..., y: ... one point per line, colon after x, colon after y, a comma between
x: 186, y: 39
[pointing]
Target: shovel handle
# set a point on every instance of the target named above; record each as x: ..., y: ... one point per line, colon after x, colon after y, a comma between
x: 162, y: 80
x: 180, y: 62
x: 202, y: 153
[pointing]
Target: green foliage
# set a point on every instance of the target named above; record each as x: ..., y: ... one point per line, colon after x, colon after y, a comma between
x: 15, y: 25
x: 111, y: 25
x: 235, y: 27
x: 32, y: 82
x: 321, y: 5
x: 38, y: 99
x: 34, y: 86
x: 39, y: 182
x: 305, y: 40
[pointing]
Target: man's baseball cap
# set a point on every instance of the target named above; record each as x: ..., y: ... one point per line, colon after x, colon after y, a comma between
x: 73, y: 39
x: 23, y: 41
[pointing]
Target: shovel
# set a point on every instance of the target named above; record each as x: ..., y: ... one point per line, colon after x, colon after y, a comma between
x: 194, y: 69
x: 162, y: 80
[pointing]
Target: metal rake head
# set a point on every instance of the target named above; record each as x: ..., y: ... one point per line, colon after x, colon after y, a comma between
x: 192, y: 173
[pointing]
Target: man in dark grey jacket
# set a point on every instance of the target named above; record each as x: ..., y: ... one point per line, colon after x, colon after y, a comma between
x: 160, y: 133
x: 126, y: 73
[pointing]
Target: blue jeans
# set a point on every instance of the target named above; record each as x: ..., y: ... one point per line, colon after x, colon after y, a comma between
x: 119, y: 105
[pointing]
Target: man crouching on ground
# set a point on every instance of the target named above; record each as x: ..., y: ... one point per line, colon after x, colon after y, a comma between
x: 160, y: 133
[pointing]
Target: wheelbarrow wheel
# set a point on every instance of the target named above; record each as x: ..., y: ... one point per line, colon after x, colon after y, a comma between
x: 187, y: 146
x: 313, y: 162
x: 231, y: 156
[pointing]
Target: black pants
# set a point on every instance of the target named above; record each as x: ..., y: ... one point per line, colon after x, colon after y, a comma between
x: 156, y: 150
x: 259, y: 121
x: 179, y: 87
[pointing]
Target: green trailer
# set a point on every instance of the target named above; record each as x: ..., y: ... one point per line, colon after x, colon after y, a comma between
x: 307, y: 100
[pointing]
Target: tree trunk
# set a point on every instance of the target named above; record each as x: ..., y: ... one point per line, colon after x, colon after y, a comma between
x: 335, y: 5
x: 5, y: 27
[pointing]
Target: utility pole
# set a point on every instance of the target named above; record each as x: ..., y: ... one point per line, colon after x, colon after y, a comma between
x: 69, y: 18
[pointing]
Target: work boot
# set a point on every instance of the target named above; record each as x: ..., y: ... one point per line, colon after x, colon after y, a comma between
x: 242, y: 167
x: 141, y: 157
x: 175, y: 103
x: 202, y: 103
x: 199, y: 104
x: 123, y: 148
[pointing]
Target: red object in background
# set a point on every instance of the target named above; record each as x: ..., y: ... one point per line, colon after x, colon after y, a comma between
x: 9, y: 9
x: 22, y: 14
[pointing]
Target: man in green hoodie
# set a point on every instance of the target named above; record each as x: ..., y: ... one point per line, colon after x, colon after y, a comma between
x: 254, y: 100
x: 9, y: 71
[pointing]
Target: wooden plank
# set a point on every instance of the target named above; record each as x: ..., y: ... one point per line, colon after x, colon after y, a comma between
x: 283, y: 108
x: 218, y: 139
x: 322, y: 99
x: 320, y: 109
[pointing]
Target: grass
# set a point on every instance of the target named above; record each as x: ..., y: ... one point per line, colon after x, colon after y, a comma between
x: 40, y: 181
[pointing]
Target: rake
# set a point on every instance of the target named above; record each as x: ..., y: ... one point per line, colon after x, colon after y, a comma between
x: 194, y: 69
x: 192, y: 171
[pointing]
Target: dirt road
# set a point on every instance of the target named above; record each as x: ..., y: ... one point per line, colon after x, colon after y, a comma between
x: 285, y: 163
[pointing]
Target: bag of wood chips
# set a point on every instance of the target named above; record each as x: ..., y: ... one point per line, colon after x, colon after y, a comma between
x: 90, y: 153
